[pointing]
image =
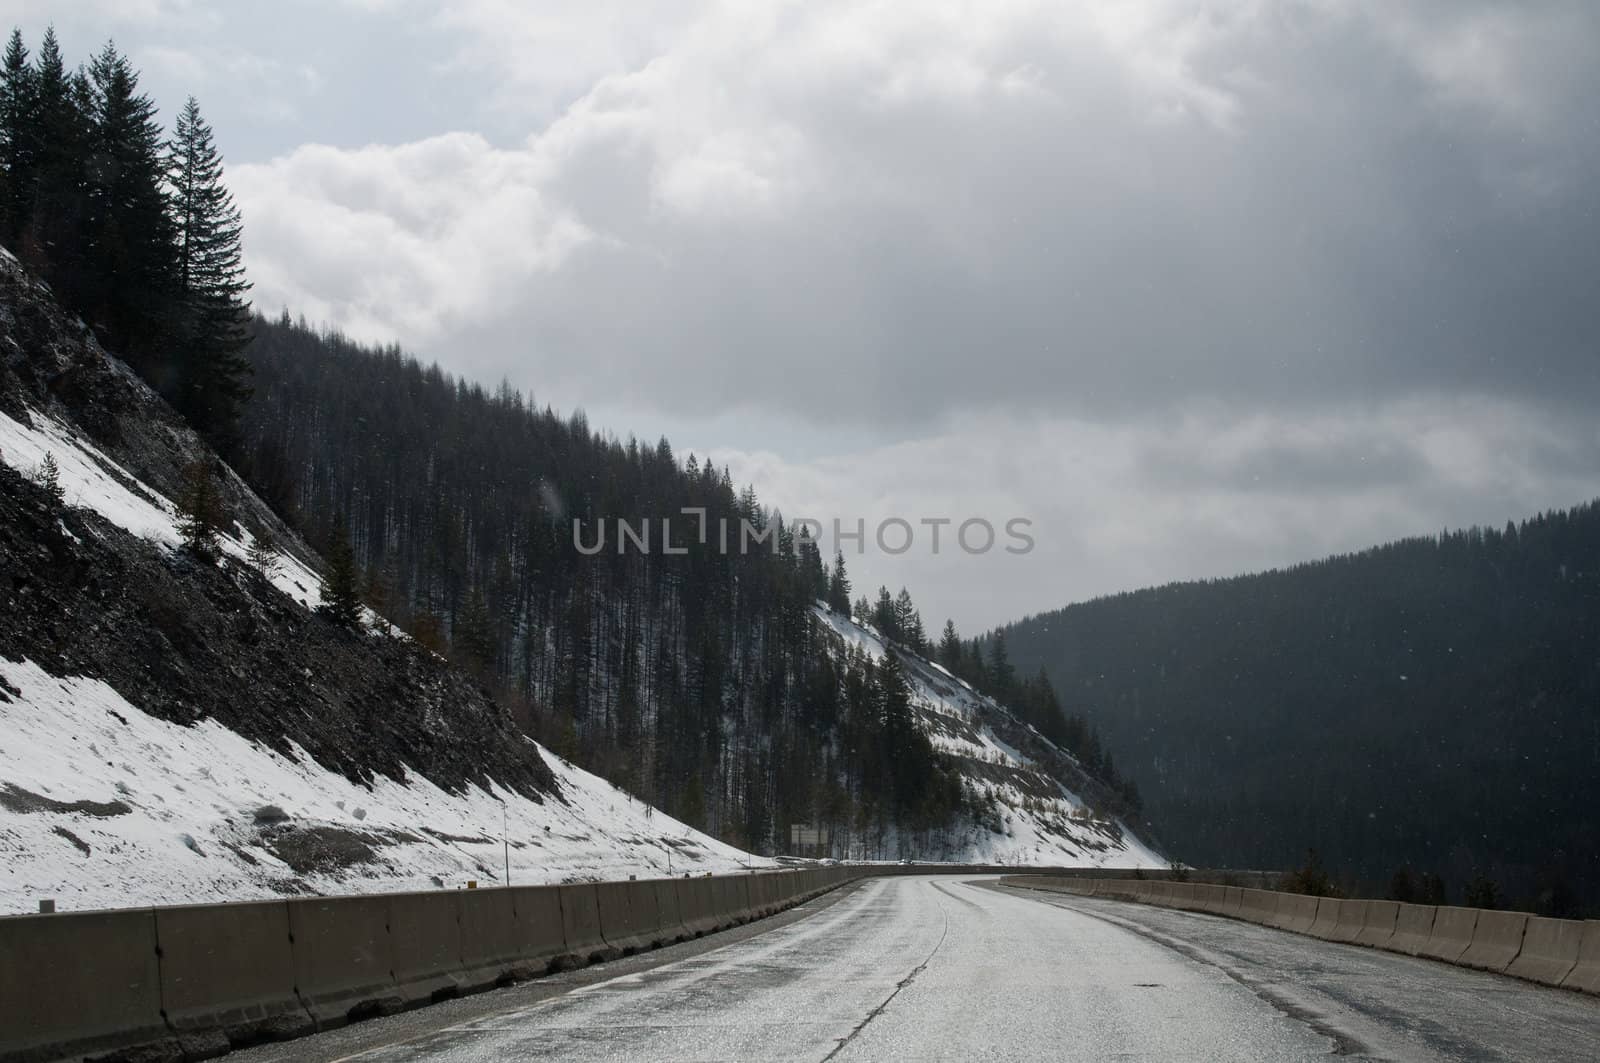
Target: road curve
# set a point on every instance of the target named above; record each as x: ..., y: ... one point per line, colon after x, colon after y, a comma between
x: 940, y: 968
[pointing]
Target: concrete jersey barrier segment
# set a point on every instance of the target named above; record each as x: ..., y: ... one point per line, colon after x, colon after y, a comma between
x: 1350, y: 921
x: 1258, y: 906
x: 580, y: 925
x: 697, y: 905
x: 343, y: 958
x: 56, y: 1005
x: 669, y: 914
x: 425, y: 943
x: 1327, y: 918
x: 1585, y: 974
x: 1412, y: 925
x: 508, y: 934
x: 1378, y: 925
x: 210, y: 998
x: 628, y: 916
x: 1298, y: 912
x: 1549, y: 950
x: 1451, y: 934
x: 1496, y: 941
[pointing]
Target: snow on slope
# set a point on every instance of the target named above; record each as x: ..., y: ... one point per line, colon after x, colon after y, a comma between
x: 94, y: 481
x: 1035, y: 819
x: 104, y: 806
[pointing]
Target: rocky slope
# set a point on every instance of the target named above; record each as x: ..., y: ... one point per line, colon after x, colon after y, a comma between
x: 171, y: 729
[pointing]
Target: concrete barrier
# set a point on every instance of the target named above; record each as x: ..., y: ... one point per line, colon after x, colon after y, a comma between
x: 1297, y: 912
x: 425, y: 943
x: 1496, y: 941
x: 212, y: 1000
x: 697, y: 903
x: 580, y: 926
x: 1451, y: 934
x: 764, y: 893
x: 1377, y: 928
x: 1350, y: 921
x: 1585, y: 974
x: 509, y: 934
x: 1258, y: 906
x: 1326, y: 919
x: 1211, y: 899
x: 1549, y: 950
x: 669, y: 915
x: 628, y: 916
x: 78, y: 983
x: 1232, y: 901
x: 1412, y: 925
x: 343, y: 958
x: 733, y: 900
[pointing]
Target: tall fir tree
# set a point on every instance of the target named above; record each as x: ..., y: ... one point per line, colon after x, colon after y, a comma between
x: 129, y: 252
x: 213, y: 374
x: 839, y: 586
x: 19, y: 149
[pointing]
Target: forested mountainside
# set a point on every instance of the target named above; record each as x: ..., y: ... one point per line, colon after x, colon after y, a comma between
x: 695, y: 675
x: 1432, y: 703
x: 700, y: 681
x: 180, y: 723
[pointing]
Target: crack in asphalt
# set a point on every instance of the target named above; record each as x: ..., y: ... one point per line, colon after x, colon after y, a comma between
x: 907, y: 980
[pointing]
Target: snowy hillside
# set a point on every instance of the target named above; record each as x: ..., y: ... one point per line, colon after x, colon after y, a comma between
x: 172, y: 731
x: 1031, y: 816
x: 102, y: 805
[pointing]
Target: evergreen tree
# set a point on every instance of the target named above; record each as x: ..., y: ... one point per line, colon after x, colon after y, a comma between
x: 1002, y: 677
x: 263, y: 554
x: 200, y: 513
x: 48, y: 476
x: 341, y: 600
x: 212, y: 370
x: 19, y: 149
x: 129, y: 247
x: 53, y: 192
x: 884, y: 617
x: 950, y: 648
x: 839, y: 586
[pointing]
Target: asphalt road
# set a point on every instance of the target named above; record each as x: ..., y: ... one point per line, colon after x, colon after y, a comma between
x: 940, y: 968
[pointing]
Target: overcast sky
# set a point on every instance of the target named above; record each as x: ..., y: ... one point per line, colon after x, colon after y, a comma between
x: 1198, y: 288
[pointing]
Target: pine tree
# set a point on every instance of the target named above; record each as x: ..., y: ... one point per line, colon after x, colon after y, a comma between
x: 1002, y: 677
x: 950, y: 648
x: 263, y: 554
x: 53, y: 197
x: 839, y: 586
x: 212, y: 370
x: 19, y: 149
x: 200, y: 513
x: 48, y: 476
x: 130, y: 244
x: 341, y: 599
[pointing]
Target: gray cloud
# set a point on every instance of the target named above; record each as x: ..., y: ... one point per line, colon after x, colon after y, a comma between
x: 1203, y: 286
x: 884, y: 219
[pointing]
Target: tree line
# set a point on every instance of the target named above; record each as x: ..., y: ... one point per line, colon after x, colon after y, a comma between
x: 1428, y: 706
x: 134, y: 231
x: 986, y: 666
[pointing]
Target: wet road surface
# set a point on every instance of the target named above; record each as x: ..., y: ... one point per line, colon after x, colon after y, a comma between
x: 941, y: 968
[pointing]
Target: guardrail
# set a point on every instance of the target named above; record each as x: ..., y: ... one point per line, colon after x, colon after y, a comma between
x: 1553, y: 952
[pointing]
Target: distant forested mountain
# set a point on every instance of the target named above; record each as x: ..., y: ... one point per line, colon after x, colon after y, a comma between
x: 1432, y: 703
x: 699, y: 680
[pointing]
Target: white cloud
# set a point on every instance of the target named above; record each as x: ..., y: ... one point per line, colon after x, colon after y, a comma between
x: 1192, y: 492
